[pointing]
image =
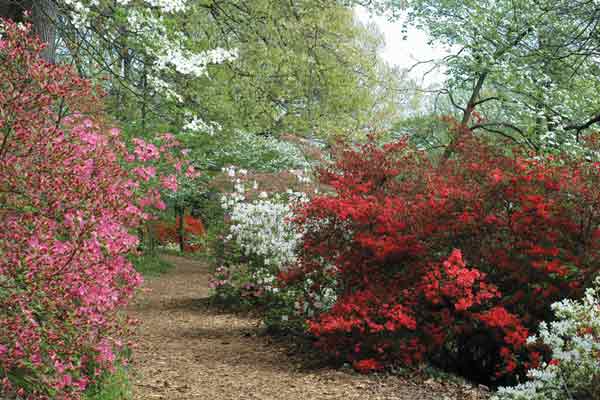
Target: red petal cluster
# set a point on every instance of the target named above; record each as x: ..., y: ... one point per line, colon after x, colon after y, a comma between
x: 529, y: 225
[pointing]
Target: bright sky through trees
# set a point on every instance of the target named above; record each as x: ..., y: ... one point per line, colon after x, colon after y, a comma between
x: 405, y: 53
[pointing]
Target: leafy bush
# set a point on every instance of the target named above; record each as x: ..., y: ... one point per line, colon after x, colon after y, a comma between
x: 250, y: 151
x: 150, y: 264
x: 111, y: 386
x: 71, y: 195
x: 526, y: 227
x: 574, y: 340
x: 261, y: 223
x: 261, y: 242
x: 167, y: 232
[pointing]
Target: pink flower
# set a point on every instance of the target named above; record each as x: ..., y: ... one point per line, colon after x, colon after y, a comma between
x: 169, y: 182
x: 145, y: 173
x: 160, y: 205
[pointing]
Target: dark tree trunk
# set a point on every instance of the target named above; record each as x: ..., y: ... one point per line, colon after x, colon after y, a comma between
x: 181, y: 228
x: 44, y: 17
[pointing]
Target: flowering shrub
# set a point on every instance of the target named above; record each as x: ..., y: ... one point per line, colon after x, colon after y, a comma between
x: 262, y: 243
x: 574, y: 341
x: 262, y: 227
x: 252, y: 151
x: 70, y: 196
x: 167, y: 233
x: 527, y: 228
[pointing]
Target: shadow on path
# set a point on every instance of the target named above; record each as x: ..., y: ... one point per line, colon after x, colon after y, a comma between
x: 190, y: 350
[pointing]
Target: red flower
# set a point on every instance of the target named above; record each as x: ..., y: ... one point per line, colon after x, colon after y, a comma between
x: 367, y: 365
x: 395, y: 216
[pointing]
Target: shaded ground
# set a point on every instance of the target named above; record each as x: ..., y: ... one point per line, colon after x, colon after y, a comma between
x: 189, y: 350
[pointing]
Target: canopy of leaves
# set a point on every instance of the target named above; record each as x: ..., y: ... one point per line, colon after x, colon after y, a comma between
x: 520, y: 69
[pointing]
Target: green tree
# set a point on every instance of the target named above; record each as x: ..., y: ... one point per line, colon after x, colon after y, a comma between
x: 523, y: 70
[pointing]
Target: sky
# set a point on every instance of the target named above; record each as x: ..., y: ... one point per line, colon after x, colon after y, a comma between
x: 405, y: 53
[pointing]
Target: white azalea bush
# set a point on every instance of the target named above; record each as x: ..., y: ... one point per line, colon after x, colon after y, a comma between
x: 574, y: 340
x: 261, y: 222
x: 263, y: 229
x: 262, y: 243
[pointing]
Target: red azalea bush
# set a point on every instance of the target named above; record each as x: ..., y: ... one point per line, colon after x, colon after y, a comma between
x: 167, y: 232
x: 451, y: 262
x: 70, y: 196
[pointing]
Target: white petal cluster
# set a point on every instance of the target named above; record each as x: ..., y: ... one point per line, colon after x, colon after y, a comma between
x: 316, y: 301
x: 263, y: 227
x: 148, y: 21
x: 189, y: 63
x: 260, y: 153
x: 574, y: 338
x: 79, y: 12
x: 196, y: 124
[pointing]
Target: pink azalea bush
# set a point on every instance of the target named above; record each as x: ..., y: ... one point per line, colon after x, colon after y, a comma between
x: 71, y: 196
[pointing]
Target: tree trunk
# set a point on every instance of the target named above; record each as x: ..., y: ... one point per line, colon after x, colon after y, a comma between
x: 467, y: 114
x: 44, y: 17
x: 180, y: 229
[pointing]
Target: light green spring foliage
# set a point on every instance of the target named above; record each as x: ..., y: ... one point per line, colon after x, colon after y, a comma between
x: 246, y: 150
x: 304, y: 67
x: 261, y: 66
x: 150, y: 264
x: 115, y: 386
x: 528, y: 68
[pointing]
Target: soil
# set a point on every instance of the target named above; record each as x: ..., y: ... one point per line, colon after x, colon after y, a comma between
x: 191, y: 350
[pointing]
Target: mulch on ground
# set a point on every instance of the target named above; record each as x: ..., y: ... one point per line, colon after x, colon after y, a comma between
x: 191, y: 350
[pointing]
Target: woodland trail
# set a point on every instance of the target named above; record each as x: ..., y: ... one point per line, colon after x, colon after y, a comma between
x: 190, y: 350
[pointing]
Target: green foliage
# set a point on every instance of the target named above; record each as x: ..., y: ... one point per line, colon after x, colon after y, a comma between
x: 150, y: 264
x: 519, y: 70
x: 244, y: 150
x: 112, y: 386
x: 242, y: 286
x: 259, y: 66
x: 303, y: 67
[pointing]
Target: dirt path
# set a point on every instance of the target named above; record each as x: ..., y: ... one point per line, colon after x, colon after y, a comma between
x: 189, y: 351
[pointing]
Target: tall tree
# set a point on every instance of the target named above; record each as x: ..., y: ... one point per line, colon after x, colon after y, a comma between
x: 528, y: 70
x: 303, y: 67
x: 263, y: 66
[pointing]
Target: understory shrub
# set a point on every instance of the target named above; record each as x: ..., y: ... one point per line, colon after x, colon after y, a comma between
x: 111, y: 386
x: 150, y: 264
x: 167, y: 233
x: 452, y: 262
x: 71, y: 199
x: 261, y: 242
x: 573, y: 371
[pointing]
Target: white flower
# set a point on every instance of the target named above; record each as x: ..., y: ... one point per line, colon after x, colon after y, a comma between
x: 572, y: 338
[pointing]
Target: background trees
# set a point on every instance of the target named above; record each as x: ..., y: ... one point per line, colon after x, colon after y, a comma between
x: 262, y: 66
x: 519, y: 70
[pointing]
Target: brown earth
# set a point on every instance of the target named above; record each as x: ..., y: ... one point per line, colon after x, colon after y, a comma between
x: 190, y: 350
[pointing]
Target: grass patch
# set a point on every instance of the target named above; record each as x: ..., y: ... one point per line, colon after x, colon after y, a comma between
x: 151, y: 264
x: 115, y: 386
